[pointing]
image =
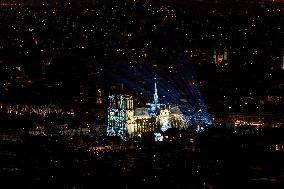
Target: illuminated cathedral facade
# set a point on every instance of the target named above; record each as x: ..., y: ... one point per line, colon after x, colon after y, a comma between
x: 126, y: 121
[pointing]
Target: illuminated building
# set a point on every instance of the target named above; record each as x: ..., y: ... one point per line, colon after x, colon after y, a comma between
x: 165, y: 119
x: 220, y: 56
x: 130, y: 122
x: 43, y: 110
x: 249, y: 119
x: 119, y: 106
x: 158, y: 117
x: 99, y: 97
x: 124, y: 120
x: 177, y: 118
x: 274, y: 99
x: 155, y: 106
x: 144, y: 122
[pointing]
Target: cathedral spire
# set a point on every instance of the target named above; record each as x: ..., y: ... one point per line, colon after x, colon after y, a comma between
x: 156, y: 98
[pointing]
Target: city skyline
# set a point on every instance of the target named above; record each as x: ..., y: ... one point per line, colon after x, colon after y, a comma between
x: 135, y: 94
